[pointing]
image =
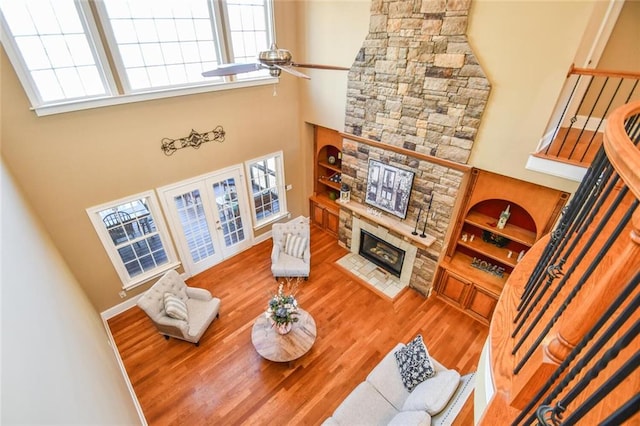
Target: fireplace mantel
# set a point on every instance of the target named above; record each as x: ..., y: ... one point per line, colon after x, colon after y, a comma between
x: 395, y: 225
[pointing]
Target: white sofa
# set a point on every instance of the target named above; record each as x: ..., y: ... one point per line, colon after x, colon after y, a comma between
x: 382, y: 398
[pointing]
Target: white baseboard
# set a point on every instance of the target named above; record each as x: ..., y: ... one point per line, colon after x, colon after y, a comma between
x: 119, y: 308
x: 112, y: 343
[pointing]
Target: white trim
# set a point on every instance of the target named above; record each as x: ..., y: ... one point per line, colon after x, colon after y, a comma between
x: 601, y: 37
x: 484, y: 383
x: 84, y: 104
x: 103, y: 234
x: 262, y: 238
x: 556, y: 168
x: 280, y: 185
x: 125, y: 376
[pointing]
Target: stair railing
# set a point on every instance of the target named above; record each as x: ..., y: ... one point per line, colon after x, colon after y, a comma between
x: 564, y: 346
x: 593, y: 94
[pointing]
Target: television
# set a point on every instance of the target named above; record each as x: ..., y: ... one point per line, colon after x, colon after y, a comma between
x: 389, y: 188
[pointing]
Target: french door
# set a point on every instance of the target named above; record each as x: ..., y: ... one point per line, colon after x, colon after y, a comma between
x: 209, y: 218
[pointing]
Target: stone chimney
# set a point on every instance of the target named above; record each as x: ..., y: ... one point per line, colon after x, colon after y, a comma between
x: 415, y: 84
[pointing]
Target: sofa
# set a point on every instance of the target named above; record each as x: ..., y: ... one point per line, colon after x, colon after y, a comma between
x: 383, y: 399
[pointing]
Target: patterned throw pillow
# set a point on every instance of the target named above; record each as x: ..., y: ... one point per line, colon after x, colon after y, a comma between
x: 414, y: 363
x: 295, y: 245
x: 175, y: 307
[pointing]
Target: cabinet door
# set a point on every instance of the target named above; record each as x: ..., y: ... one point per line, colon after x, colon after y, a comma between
x: 481, y: 304
x: 331, y: 222
x: 453, y: 288
x: 317, y: 214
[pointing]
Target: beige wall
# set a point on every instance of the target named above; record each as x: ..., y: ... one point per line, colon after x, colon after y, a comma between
x: 57, y: 365
x: 65, y: 163
x: 622, y: 52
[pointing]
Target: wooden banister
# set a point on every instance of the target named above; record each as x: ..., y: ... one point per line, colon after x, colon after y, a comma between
x: 622, y: 153
x: 597, y: 297
x: 515, y: 389
x: 603, y: 73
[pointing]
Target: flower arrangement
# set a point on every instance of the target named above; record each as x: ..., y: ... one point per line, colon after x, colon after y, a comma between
x: 283, y: 308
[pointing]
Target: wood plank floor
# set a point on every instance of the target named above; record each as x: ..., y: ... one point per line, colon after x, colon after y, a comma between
x: 224, y: 381
x: 573, y: 146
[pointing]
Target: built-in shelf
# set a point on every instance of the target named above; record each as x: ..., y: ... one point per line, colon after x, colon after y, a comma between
x: 335, y: 167
x: 468, y: 276
x: 330, y: 184
x: 396, y: 225
x: 491, y: 251
x: 512, y: 232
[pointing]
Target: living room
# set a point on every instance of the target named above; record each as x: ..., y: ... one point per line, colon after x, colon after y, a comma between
x: 66, y: 163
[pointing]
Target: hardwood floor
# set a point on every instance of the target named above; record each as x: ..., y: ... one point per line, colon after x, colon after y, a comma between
x: 573, y: 146
x: 224, y: 381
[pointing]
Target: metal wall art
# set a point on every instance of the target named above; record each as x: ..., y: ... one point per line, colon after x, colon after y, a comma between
x: 194, y: 140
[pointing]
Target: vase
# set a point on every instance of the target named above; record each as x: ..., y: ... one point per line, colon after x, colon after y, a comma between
x: 283, y: 328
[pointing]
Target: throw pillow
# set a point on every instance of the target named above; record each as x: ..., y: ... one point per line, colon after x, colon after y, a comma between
x: 295, y: 245
x: 175, y: 307
x: 414, y: 363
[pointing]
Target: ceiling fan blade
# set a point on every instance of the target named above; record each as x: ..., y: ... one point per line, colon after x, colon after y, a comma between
x: 320, y: 67
x: 231, y: 69
x: 293, y: 72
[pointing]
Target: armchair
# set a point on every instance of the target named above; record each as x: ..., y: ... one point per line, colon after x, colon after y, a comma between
x: 292, y: 259
x: 199, y: 306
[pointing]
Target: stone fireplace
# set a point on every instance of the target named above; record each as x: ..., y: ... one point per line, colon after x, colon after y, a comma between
x: 416, y: 86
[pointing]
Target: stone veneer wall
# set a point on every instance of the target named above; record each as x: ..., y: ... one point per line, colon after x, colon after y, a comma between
x: 415, y: 84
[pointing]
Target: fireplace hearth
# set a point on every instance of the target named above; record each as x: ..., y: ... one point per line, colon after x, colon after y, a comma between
x: 381, y: 253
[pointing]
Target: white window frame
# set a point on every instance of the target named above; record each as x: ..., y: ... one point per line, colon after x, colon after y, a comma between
x: 102, y: 53
x: 162, y: 231
x: 280, y: 185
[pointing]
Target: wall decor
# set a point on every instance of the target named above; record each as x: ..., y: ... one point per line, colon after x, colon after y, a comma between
x: 194, y: 140
x: 389, y: 188
x: 483, y: 265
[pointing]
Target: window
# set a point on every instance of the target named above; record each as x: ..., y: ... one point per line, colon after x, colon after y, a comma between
x: 158, y: 48
x: 134, y: 237
x: 266, y: 181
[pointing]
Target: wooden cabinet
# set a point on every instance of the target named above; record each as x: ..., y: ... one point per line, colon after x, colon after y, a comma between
x: 325, y: 216
x: 327, y: 170
x: 480, y: 256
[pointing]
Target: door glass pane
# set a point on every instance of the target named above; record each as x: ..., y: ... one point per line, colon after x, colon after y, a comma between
x: 226, y: 195
x: 194, y: 225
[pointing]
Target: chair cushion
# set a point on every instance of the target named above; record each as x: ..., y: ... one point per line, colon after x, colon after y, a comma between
x: 406, y: 418
x: 433, y: 394
x: 414, y: 363
x: 175, y: 307
x: 295, y: 245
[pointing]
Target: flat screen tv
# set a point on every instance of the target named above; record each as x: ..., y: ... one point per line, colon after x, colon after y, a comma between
x: 389, y: 188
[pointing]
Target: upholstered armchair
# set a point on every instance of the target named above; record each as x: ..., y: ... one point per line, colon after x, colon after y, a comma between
x: 178, y: 310
x: 291, y: 255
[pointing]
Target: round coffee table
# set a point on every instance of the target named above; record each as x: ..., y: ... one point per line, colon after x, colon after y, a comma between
x: 278, y: 347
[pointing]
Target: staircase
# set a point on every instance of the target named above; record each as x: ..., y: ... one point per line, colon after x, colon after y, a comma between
x: 576, y: 132
x: 564, y: 345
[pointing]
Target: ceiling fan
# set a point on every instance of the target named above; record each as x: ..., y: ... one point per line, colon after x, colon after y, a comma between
x: 275, y: 60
